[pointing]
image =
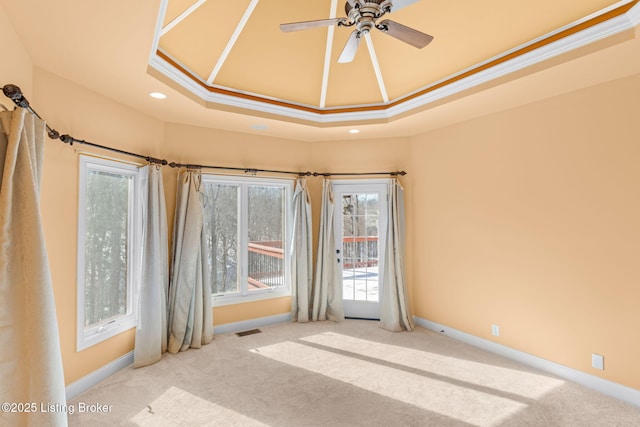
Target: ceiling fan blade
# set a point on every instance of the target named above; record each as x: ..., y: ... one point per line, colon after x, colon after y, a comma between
x: 399, y: 4
x: 350, y: 49
x: 304, y: 25
x: 404, y: 33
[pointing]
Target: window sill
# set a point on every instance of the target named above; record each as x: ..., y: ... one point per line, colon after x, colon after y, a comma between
x: 93, y: 336
x: 220, y: 301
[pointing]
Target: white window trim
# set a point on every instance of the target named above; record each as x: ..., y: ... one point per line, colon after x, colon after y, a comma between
x: 87, y: 337
x: 218, y: 300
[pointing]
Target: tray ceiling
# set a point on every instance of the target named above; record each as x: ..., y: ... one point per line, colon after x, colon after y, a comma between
x: 233, y: 56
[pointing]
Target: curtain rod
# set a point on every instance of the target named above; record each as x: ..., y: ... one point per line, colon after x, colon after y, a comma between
x: 14, y: 93
x: 301, y: 174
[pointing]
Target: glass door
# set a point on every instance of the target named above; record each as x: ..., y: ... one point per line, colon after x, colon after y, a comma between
x: 361, y: 221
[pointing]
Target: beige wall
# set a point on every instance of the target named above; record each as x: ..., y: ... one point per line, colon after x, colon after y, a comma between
x: 530, y: 219
x: 15, y: 65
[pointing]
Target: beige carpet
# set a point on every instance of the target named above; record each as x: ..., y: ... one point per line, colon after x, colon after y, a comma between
x: 344, y: 374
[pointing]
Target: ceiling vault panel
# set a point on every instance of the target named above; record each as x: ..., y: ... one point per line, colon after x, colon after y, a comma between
x: 175, y: 8
x: 232, y: 41
x: 199, y: 40
x: 181, y: 17
x: 234, y: 53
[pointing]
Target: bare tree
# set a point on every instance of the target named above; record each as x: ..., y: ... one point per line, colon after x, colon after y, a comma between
x: 106, y: 246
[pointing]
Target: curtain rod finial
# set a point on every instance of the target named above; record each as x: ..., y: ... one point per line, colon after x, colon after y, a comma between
x: 12, y: 91
x: 15, y: 94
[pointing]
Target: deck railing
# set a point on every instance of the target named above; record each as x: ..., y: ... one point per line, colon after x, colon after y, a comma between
x: 266, y: 265
x: 266, y: 260
x: 361, y: 251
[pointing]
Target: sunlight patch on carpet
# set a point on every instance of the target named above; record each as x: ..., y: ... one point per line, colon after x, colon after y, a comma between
x: 512, y: 381
x: 451, y: 400
x: 176, y: 407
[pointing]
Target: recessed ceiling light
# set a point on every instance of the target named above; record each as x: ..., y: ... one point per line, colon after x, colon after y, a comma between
x: 259, y: 126
x: 354, y: 131
x: 157, y: 95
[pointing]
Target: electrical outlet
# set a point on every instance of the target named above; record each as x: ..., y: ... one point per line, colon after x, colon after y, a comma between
x: 597, y: 361
x: 495, y: 330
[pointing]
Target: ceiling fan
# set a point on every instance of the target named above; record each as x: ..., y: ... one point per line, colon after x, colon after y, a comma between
x: 363, y: 14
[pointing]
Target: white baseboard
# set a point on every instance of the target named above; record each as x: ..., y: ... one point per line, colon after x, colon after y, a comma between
x: 85, y: 383
x: 252, y: 323
x: 609, y: 388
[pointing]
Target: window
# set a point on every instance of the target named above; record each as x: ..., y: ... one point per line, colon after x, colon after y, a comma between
x: 109, y: 224
x: 247, y: 230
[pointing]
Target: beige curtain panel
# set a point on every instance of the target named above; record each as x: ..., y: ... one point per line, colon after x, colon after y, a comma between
x: 302, y: 253
x: 190, y: 316
x: 327, y: 286
x: 30, y: 363
x: 395, y: 311
x: 151, y: 329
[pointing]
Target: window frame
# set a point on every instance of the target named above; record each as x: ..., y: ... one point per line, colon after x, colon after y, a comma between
x: 89, y: 336
x: 243, y: 182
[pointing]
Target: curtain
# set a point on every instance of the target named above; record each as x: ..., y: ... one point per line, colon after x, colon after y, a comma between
x: 30, y: 362
x: 327, y: 287
x: 190, y: 316
x: 395, y: 313
x: 302, y: 253
x: 151, y: 330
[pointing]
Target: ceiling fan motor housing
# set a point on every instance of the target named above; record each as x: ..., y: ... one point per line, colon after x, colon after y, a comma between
x: 365, y: 13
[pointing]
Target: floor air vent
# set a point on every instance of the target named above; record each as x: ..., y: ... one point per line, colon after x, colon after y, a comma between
x: 249, y: 332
